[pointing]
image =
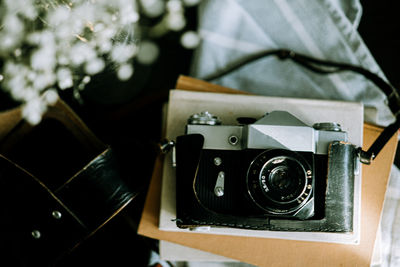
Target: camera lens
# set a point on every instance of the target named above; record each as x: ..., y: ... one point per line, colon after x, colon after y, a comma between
x: 279, y: 181
x: 282, y: 179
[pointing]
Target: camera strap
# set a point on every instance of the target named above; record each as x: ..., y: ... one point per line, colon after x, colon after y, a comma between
x: 328, y: 67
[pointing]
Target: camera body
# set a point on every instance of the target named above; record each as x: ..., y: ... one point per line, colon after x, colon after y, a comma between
x: 274, y: 169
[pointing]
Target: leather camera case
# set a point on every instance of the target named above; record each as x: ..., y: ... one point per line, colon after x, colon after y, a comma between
x: 335, y: 203
x: 59, y: 184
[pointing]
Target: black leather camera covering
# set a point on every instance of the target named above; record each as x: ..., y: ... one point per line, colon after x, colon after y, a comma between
x: 63, y: 217
x: 59, y: 185
x: 337, y: 207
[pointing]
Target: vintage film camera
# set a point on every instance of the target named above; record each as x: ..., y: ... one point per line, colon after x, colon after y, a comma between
x: 274, y: 173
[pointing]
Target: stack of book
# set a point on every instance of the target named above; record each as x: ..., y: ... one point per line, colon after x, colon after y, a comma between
x: 266, y: 248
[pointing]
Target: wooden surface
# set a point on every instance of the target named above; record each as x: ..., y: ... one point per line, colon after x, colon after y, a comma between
x: 192, y: 84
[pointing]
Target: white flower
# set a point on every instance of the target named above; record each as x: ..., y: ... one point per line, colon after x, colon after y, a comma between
x: 13, y: 24
x: 125, y: 71
x: 121, y: 53
x: 128, y: 12
x: 190, y: 39
x: 176, y: 21
x: 105, y: 47
x: 30, y: 93
x: 11, y: 33
x: 33, y: 110
x: 148, y: 52
x: 43, y: 59
x: 86, y: 79
x: 105, y: 34
x: 44, y: 38
x: 24, y: 7
x: 59, y: 16
x: 64, y: 78
x: 174, y: 6
x: 18, y: 88
x: 81, y: 53
x: 152, y: 8
x: 63, y: 60
x: 94, y: 66
x: 51, y: 97
x: 44, y: 80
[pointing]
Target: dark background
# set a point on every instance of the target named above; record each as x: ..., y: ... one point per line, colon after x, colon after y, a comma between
x: 133, y: 124
x: 379, y: 28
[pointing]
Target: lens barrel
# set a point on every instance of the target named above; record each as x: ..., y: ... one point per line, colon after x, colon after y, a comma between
x: 279, y: 181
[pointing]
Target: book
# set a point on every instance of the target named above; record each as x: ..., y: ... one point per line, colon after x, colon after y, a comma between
x: 228, y: 107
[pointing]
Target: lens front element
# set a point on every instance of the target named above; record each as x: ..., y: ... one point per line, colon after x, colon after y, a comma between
x: 282, y: 179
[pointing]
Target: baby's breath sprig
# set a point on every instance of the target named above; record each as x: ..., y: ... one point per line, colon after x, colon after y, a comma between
x: 49, y: 44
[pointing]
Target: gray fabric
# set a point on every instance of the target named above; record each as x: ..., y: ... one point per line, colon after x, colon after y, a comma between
x: 326, y: 29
